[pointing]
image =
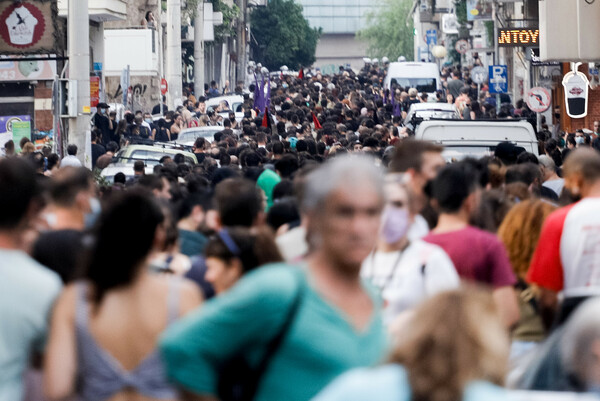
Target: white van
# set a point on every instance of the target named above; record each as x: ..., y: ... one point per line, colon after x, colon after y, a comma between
x: 425, y: 77
x: 477, y: 138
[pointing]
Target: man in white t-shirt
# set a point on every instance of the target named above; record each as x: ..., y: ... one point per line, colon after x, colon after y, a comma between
x: 551, y: 179
x: 405, y: 271
x: 71, y: 159
x: 27, y: 289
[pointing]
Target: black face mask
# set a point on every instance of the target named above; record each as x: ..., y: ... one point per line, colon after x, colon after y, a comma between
x: 557, y: 115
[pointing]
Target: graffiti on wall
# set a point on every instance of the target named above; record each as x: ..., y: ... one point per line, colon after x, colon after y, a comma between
x: 144, y: 95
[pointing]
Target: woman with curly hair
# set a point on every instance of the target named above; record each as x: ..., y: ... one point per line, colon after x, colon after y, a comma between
x: 520, y: 232
x: 453, y: 348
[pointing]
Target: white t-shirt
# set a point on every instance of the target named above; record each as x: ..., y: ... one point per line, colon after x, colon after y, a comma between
x: 555, y: 185
x: 418, y: 229
x: 407, y: 278
x: 70, y: 161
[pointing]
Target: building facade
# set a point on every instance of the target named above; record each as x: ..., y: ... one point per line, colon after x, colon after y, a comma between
x: 340, y: 20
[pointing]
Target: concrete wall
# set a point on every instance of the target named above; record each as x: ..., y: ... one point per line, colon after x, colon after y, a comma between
x: 334, y: 50
x: 136, y: 11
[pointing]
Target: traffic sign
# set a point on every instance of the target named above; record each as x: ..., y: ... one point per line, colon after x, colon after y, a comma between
x: 164, y: 87
x: 498, y: 79
x: 538, y: 99
x: 431, y: 37
x: 479, y: 75
x: 462, y: 46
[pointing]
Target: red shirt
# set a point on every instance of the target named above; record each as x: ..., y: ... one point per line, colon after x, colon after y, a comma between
x: 477, y: 255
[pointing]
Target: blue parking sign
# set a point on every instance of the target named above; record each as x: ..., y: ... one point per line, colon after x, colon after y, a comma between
x: 431, y: 37
x: 498, y: 79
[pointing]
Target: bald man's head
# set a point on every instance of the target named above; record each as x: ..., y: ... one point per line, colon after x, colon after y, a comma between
x: 581, y: 170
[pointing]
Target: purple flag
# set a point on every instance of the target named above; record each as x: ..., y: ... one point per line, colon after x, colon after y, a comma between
x: 268, y: 99
x: 256, y: 93
x: 261, y: 94
x: 397, y: 111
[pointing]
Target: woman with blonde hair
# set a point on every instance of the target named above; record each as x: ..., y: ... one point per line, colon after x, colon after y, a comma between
x: 520, y: 232
x: 454, y: 348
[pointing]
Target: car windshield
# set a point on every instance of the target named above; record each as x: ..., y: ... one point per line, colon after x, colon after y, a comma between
x: 442, y: 114
x: 191, y: 136
x: 425, y: 85
x: 456, y: 153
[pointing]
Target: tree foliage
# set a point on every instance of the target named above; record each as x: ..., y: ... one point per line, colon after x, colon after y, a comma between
x: 282, y: 36
x: 388, y: 34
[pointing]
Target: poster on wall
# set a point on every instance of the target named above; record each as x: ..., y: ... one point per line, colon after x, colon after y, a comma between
x: 7, y: 127
x: 94, y: 91
x: 20, y: 130
x: 479, y: 10
x: 28, y: 26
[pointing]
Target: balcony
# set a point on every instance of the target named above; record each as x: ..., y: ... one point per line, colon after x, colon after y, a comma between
x: 100, y: 10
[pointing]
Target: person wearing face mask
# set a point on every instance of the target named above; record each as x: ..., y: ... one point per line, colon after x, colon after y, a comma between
x: 149, y: 122
x: 102, y: 121
x: 405, y: 272
x: 72, y: 210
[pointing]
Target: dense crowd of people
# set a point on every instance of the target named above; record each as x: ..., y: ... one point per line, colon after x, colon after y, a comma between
x: 314, y: 251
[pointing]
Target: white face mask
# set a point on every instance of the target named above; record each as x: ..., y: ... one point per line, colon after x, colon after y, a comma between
x: 95, y: 210
x: 579, y: 140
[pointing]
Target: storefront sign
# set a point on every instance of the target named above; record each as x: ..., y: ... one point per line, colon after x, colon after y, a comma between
x: 28, y: 26
x: 512, y: 37
x: 27, y: 70
x: 576, y: 86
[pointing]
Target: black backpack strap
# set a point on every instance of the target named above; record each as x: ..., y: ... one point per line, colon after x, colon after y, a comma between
x: 276, y: 342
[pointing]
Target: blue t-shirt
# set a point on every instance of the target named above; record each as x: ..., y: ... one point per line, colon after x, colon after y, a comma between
x: 27, y: 293
x: 321, y: 343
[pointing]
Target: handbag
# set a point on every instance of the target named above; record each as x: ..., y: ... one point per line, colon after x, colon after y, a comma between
x: 238, y: 381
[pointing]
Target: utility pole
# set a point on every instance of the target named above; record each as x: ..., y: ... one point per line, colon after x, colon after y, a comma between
x: 174, y: 54
x: 78, y: 43
x: 199, y: 51
x: 496, y: 47
x: 241, y: 44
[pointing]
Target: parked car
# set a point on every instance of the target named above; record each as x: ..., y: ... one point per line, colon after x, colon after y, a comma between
x: 476, y: 138
x: 419, y: 112
x: 188, y: 136
x: 125, y: 158
x: 151, y: 154
x: 234, y: 102
x: 109, y: 172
